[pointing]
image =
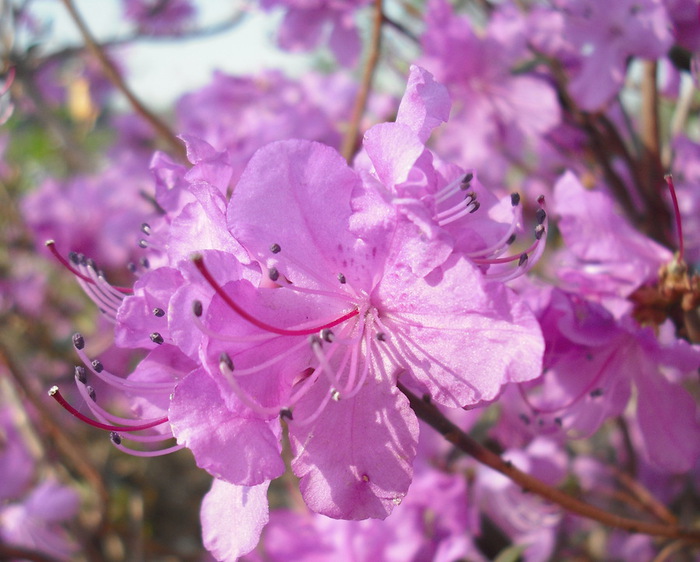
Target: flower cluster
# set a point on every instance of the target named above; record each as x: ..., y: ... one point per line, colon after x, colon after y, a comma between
x: 315, y: 276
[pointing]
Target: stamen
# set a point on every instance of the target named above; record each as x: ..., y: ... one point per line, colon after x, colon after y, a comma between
x: 304, y: 290
x: 467, y: 206
x: 199, y: 264
x: 528, y: 258
x: 146, y: 229
x: 56, y: 395
x: 275, y: 248
x: 319, y: 410
x: 351, y: 392
x: 97, y: 368
x: 103, y: 416
x: 324, y: 360
x: 159, y: 312
x: 157, y: 338
x: 197, y: 308
x: 51, y: 245
x: 226, y: 369
x: 137, y: 453
x: 502, y: 244
x: 78, y: 341
x: 455, y: 186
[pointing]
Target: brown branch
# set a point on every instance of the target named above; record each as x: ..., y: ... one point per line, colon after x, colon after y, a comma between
x: 433, y: 417
x: 113, y: 75
x: 139, y: 37
x: 651, y: 160
x: 401, y: 28
x: 645, y: 498
x: 350, y: 139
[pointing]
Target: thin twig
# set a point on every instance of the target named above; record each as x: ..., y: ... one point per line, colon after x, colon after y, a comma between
x: 649, y: 134
x: 433, y: 417
x: 350, y: 139
x: 140, y: 37
x: 113, y: 74
x: 401, y: 28
x: 645, y: 498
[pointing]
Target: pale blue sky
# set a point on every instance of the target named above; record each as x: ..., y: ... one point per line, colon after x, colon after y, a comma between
x: 159, y: 71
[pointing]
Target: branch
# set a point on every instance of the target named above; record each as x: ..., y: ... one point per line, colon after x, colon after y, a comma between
x: 113, y: 74
x: 137, y: 36
x: 350, y: 139
x: 436, y: 419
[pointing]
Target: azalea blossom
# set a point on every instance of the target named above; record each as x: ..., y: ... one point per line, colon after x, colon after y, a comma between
x: 306, y: 301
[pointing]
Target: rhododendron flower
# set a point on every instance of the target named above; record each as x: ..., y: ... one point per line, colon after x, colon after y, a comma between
x: 605, y: 256
x: 604, y: 36
x: 494, y: 106
x: 305, y: 23
x: 318, y: 292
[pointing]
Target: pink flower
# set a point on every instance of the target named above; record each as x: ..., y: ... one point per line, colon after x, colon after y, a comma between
x: 307, y: 21
x: 308, y: 299
x: 494, y: 106
x: 604, y: 36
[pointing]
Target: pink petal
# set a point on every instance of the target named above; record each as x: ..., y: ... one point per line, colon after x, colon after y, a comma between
x: 459, y: 336
x: 234, y: 449
x: 393, y: 149
x: 425, y: 104
x: 233, y: 518
x: 668, y: 420
x: 355, y: 460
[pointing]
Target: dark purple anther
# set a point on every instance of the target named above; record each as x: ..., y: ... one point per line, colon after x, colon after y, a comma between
x: 197, y: 308
x: 225, y: 358
x: 78, y: 341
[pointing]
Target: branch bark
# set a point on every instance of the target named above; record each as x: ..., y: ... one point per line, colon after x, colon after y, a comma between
x: 350, y: 138
x: 433, y: 417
